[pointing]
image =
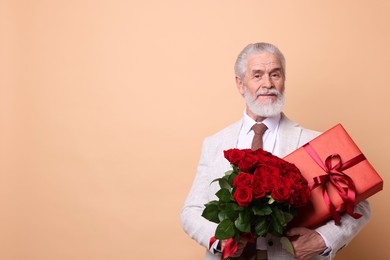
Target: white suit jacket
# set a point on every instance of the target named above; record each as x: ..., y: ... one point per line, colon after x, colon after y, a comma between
x: 213, y: 165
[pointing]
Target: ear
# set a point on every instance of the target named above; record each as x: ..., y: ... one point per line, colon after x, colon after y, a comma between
x: 240, y: 85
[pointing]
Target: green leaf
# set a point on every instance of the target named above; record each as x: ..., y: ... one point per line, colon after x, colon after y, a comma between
x: 213, y: 202
x: 276, y: 226
x: 222, y: 215
x: 287, y: 245
x: 271, y: 200
x: 265, y: 210
x: 288, y: 217
x: 211, y: 213
x: 224, y: 195
x: 237, y: 236
x: 215, y: 180
x: 261, y: 227
x: 231, y: 178
x: 279, y: 216
x: 231, y: 210
x: 238, y: 208
x: 243, y: 222
x: 224, y: 183
x: 225, y: 230
x: 227, y: 212
x: 228, y: 172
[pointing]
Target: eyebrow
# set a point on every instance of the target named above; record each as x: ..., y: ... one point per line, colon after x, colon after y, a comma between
x: 257, y: 71
x: 278, y: 69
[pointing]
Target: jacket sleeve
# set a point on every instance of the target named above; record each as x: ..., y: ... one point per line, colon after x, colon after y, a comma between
x: 338, y: 236
x: 197, y: 227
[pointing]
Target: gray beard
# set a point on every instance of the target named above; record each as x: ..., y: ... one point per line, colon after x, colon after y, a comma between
x: 267, y: 110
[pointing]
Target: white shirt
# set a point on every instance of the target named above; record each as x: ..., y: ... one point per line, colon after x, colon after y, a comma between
x: 269, y: 137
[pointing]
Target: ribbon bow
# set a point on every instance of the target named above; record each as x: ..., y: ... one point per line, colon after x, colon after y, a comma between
x: 334, y: 167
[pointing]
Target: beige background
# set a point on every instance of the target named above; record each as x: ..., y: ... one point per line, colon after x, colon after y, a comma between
x: 104, y: 106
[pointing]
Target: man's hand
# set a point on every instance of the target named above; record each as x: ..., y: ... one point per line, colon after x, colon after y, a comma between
x: 306, y: 242
x: 240, y: 248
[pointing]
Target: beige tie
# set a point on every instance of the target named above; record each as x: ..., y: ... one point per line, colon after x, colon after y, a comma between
x: 259, y: 130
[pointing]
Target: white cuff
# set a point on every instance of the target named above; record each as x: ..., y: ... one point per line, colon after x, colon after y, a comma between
x: 214, y: 248
x: 328, y: 248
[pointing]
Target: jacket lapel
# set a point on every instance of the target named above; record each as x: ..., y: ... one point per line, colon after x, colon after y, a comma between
x: 231, y: 137
x: 288, y: 137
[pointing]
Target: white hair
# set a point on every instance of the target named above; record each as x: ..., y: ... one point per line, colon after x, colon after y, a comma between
x: 253, y: 48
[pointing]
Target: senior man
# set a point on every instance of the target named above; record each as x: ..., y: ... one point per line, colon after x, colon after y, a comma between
x: 260, y: 74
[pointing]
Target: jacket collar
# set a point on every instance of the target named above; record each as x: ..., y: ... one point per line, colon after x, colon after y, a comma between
x: 288, y: 136
x: 287, y: 140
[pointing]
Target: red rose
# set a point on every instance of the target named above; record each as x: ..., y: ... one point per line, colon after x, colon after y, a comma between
x: 305, y: 191
x: 261, y: 152
x: 259, y: 173
x: 243, y: 196
x: 234, y: 155
x: 269, y: 182
x: 247, y: 151
x: 268, y: 158
x: 247, y: 163
x: 303, y: 180
x: 290, y: 168
x: 275, y: 160
x: 258, y: 189
x: 295, y: 177
x: 267, y: 170
x: 298, y: 199
x: 263, y: 157
x: 243, y: 179
x: 282, y: 190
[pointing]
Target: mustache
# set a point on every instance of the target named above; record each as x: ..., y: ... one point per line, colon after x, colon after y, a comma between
x: 268, y: 92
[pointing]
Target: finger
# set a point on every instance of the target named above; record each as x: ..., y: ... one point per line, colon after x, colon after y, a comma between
x: 298, y: 231
x: 241, y: 246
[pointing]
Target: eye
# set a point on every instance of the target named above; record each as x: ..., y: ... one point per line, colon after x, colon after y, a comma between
x: 275, y: 75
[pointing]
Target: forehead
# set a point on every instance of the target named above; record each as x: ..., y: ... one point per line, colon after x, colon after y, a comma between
x: 263, y: 61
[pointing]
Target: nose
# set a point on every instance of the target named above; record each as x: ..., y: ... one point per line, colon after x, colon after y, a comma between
x: 267, y: 83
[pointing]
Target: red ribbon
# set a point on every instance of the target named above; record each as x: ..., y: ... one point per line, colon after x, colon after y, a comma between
x: 335, y: 176
x: 231, y: 244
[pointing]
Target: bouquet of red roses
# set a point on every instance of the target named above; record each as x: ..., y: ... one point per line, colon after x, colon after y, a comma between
x: 258, y: 196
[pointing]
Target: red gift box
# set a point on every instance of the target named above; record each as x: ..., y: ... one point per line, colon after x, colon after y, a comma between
x: 339, y: 174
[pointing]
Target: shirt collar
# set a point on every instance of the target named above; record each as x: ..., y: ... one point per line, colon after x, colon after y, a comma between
x: 271, y: 122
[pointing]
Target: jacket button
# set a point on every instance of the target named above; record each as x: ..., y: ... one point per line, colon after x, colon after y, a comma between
x: 270, y: 243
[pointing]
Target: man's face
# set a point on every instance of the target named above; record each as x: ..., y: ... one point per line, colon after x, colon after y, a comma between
x: 262, y: 85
